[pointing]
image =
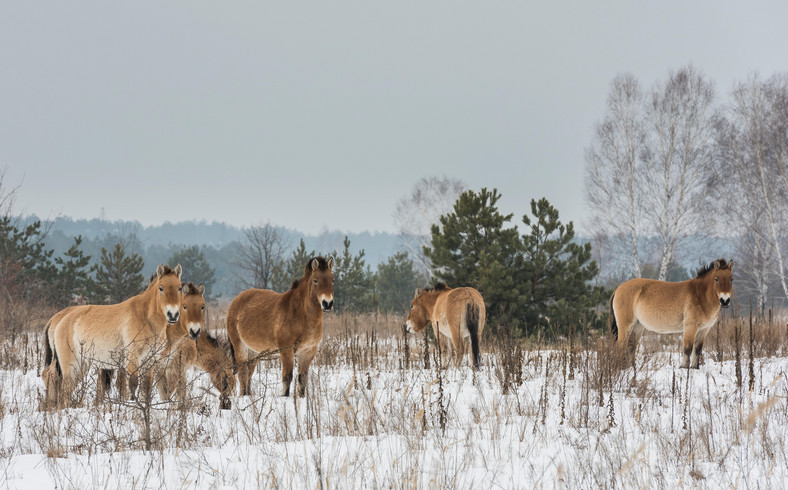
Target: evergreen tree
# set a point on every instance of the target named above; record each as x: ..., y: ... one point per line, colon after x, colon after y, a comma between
x: 351, y: 281
x: 556, y: 272
x: 195, y: 266
x: 396, y: 279
x: 474, y: 249
x: 293, y: 267
x: 73, y: 277
x: 530, y: 283
x: 26, y: 266
x: 118, y: 276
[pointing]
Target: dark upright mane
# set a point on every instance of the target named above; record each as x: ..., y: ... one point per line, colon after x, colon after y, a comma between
x: 708, y: 268
x: 167, y: 270
x: 438, y: 287
x: 322, y: 265
x: 190, y: 288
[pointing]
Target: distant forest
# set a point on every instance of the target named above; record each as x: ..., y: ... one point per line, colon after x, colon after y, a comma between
x: 217, y: 241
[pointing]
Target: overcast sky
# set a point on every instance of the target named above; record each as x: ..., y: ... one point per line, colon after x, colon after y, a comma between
x: 321, y: 115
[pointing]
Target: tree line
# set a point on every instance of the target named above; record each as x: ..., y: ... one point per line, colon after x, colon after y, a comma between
x: 673, y: 162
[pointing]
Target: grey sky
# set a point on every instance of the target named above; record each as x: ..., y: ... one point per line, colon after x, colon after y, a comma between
x: 322, y: 114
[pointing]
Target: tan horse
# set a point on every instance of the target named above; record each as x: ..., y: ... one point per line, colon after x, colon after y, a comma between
x: 132, y: 332
x: 458, y: 314
x: 259, y: 320
x: 212, y: 354
x: 690, y: 306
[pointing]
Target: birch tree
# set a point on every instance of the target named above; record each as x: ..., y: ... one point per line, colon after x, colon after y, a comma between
x: 614, y: 190
x: 416, y: 213
x: 677, y: 160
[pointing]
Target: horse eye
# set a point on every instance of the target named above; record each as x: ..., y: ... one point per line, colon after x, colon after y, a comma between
x: 179, y: 289
x: 161, y: 288
x: 184, y: 307
x: 203, y: 307
x: 716, y: 279
x: 315, y: 281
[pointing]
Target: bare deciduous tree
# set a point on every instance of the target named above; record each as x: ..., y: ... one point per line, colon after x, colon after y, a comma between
x: 261, y: 255
x: 752, y: 146
x: 612, y: 183
x: 415, y: 214
x: 677, y: 159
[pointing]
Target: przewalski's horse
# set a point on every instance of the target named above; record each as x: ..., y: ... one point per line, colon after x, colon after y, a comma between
x: 212, y: 354
x: 690, y: 306
x: 458, y: 313
x: 134, y: 331
x: 259, y: 320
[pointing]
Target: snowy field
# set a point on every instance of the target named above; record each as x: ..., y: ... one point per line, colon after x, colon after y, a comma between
x: 550, y: 416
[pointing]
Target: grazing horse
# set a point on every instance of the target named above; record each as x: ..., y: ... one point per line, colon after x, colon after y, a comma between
x: 690, y: 306
x: 458, y: 314
x: 292, y: 322
x: 212, y: 354
x: 134, y: 331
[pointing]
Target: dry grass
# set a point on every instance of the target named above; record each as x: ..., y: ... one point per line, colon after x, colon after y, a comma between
x: 382, y: 410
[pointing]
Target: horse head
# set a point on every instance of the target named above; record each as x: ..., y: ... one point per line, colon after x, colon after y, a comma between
x: 418, y: 316
x: 319, y: 273
x: 193, y: 309
x: 168, y: 299
x: 723, y: 281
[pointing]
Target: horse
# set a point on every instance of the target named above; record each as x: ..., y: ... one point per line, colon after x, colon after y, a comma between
x: 259, y: 320
x: 134, y: 330
x: 457, y: 314
x: 690, y: 306
x: 210, y: 353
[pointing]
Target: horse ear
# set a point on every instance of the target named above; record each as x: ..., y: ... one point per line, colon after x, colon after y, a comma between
x: 201, y: 289
x: 178, y: 269
x: 716, y: 265
x: 331, y: 264
x: 730, y: 265
x: 418, y: 292
x: 315, y: 264
x: 159, y: 271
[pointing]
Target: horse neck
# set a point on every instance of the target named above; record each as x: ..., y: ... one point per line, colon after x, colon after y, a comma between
x: 430, y: 300
x: 145, y: 303
x: 705, y: 286
x: 302, y: 296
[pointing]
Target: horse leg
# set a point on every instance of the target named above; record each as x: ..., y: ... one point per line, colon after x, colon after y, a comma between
x: 459, y: 345
x: 698, y: 347
x: 103, y: 385
x: 304, y: 360
x: 690, y: 335
x: 287, y: 370
x: 245, y: 371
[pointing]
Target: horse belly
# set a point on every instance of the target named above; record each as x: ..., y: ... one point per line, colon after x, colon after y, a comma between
x: 660, y: 321
x: 106, y: 349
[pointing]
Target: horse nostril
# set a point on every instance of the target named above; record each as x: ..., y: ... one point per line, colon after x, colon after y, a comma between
x: 328, y: 305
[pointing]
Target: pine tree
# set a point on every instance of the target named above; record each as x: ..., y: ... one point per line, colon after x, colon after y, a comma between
x: 474, y: 249
x: 396, y: 279
x: 118, y: 276
x: 351, y: 280
x: 26, y: 266
x: 556, y: 272
x: 73, y: 276
x: 293, y: 267
x: 195, y: 266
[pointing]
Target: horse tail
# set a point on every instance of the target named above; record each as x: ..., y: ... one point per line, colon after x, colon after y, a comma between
x: 472, y: 323
x: 48, y: 353
x: 612, y: 319
x: 232, y: 354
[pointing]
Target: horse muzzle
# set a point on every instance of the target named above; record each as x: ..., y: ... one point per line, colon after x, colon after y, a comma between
x: 194, y: 333
x: 327, y: 305
x: 724, y: 303
x: 173, y: 318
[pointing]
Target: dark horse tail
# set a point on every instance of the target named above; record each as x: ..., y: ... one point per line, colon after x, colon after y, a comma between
x: 472, y: 322
x: 612, y: 319
x: 49, y: 354
x: 232, y: 353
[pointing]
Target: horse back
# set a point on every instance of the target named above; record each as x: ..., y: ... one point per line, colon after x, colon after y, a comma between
x: 258, y: 316
x: 452, y: 305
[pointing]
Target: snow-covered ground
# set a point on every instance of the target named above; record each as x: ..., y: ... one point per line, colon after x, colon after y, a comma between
x: 378, y: 425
